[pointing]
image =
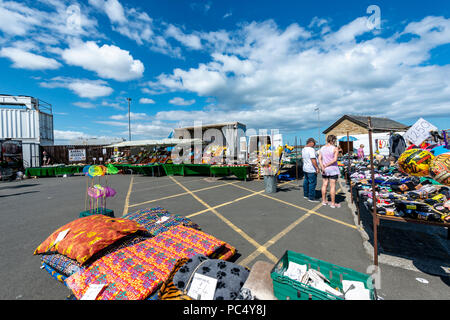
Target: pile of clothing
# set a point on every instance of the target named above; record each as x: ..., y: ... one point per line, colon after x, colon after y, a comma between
x: 399, y: 194
x: 148, y: 254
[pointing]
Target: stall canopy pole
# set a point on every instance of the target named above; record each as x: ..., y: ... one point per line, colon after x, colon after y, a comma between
x: 296, y: 156
x: 348, y: 168
x: 374, y: 198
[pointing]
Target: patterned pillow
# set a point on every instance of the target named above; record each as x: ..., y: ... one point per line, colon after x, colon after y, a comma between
x: 168, y: 290
x: 224, y: 253
x: 230, y: 277
x: 88, y: 236
x: 148, y: 218
x: 67, y: 266
x: 135, y: 272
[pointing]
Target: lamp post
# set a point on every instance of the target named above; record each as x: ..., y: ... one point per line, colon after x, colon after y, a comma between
x: 129, y: 119
x: 318, y: 123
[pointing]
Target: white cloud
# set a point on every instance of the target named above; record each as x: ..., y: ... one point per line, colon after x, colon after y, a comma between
x: 263, y: 75
x: 82, y: 87
x: 85, y: 105
x: 108, y: 61
x: 181, y: 102
x: 189, y: 40
x: 26, y: 60
x: 133, y: 116
x: 146, y: 101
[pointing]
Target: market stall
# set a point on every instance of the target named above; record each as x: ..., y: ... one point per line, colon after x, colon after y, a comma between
x: 405, y: 192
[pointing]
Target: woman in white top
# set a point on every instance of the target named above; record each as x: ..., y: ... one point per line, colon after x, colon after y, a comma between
x: 328, y: 155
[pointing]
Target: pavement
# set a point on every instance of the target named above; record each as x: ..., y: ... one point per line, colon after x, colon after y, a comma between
x: 261, y: 226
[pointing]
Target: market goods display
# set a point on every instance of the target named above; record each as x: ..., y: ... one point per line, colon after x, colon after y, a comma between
x: 440, y: 168
x: 230, y: 277
x: 86, y: 236
x: 399, y: 194
x: 157, y: 220
x: 134, y: 272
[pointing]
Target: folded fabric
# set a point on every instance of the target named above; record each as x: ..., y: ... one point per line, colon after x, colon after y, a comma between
x: 134, y: 272
x: 54, y: 274
x: 168, y: 290
x: 87, y: 236
x: 67, y: 266
x: 157, y: 220
x: 226, y: 252
x: 230, y: 277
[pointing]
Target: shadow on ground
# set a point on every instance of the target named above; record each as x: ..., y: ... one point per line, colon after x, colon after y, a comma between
x: 425, y: 246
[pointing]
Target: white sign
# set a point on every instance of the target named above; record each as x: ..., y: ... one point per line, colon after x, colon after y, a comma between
x: 419, y: 132
x: 61, y: 236
x: 202, y: 287
x: 77, y: 155
x: 92, y: 292
x: 163, y: 219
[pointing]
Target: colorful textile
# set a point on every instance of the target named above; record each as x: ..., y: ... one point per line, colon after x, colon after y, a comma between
x: 134, y: 272
x: 224, y: 253
x: 230, y: 277
x: 149, y: 219
x: 67, y: 266
x: 88, y: 236
x: 168, y: 290
x: 54, y: 274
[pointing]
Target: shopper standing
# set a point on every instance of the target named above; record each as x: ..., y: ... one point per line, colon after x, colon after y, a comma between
x: 310, y: 170
x: 328, y: 155
x: 361, y: 152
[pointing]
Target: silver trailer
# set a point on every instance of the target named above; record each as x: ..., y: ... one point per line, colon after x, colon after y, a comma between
x: 29, y: 120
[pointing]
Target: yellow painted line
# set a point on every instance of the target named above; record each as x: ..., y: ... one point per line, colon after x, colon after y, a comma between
x: 277, y: 237
x: 305, y: 209
x: 181, y: 194
x: 160, y: 178
x: 254, y: 193
x: 230, y: 224
x: 127, y: 199
x: 163, y: 186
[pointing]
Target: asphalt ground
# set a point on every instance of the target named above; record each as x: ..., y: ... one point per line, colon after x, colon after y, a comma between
x: 261, y: 226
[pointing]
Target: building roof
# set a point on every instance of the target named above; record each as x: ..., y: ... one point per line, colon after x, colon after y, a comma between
x: 379, y: 124
x: 161, y: 143
x: 215, y: 125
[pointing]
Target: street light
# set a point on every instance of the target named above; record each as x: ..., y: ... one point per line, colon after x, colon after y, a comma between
x: 129, y: 119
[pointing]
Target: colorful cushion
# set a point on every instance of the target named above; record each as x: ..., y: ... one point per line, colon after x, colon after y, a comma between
x: 440, y: 168
x: 415, y: 162
x: 53, y: 273
x: 67, y: 266
x: 168, y: 290
x: 149, y: 218
x: 230, y: 277
x: 224, y: 253
x: 135, y: 272
x: 88, y: 236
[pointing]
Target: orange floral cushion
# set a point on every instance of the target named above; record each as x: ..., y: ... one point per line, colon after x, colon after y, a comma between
x: 88, y: 236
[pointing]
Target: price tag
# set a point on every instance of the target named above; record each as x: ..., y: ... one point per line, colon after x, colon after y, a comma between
x: 92, y: 292
x: 61, y: 236
x: 419, y: 132
x: 202, y: 287
x: 165, y: 218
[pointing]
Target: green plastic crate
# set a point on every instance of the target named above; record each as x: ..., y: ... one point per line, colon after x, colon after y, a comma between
x: 287, y: 289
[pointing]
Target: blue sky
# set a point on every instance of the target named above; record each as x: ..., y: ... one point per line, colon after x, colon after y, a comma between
x: 267, y: 64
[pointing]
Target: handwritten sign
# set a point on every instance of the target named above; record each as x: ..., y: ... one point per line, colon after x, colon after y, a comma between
x: 77, y: 155
x: 202, y: 287
x: 419, y: 132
